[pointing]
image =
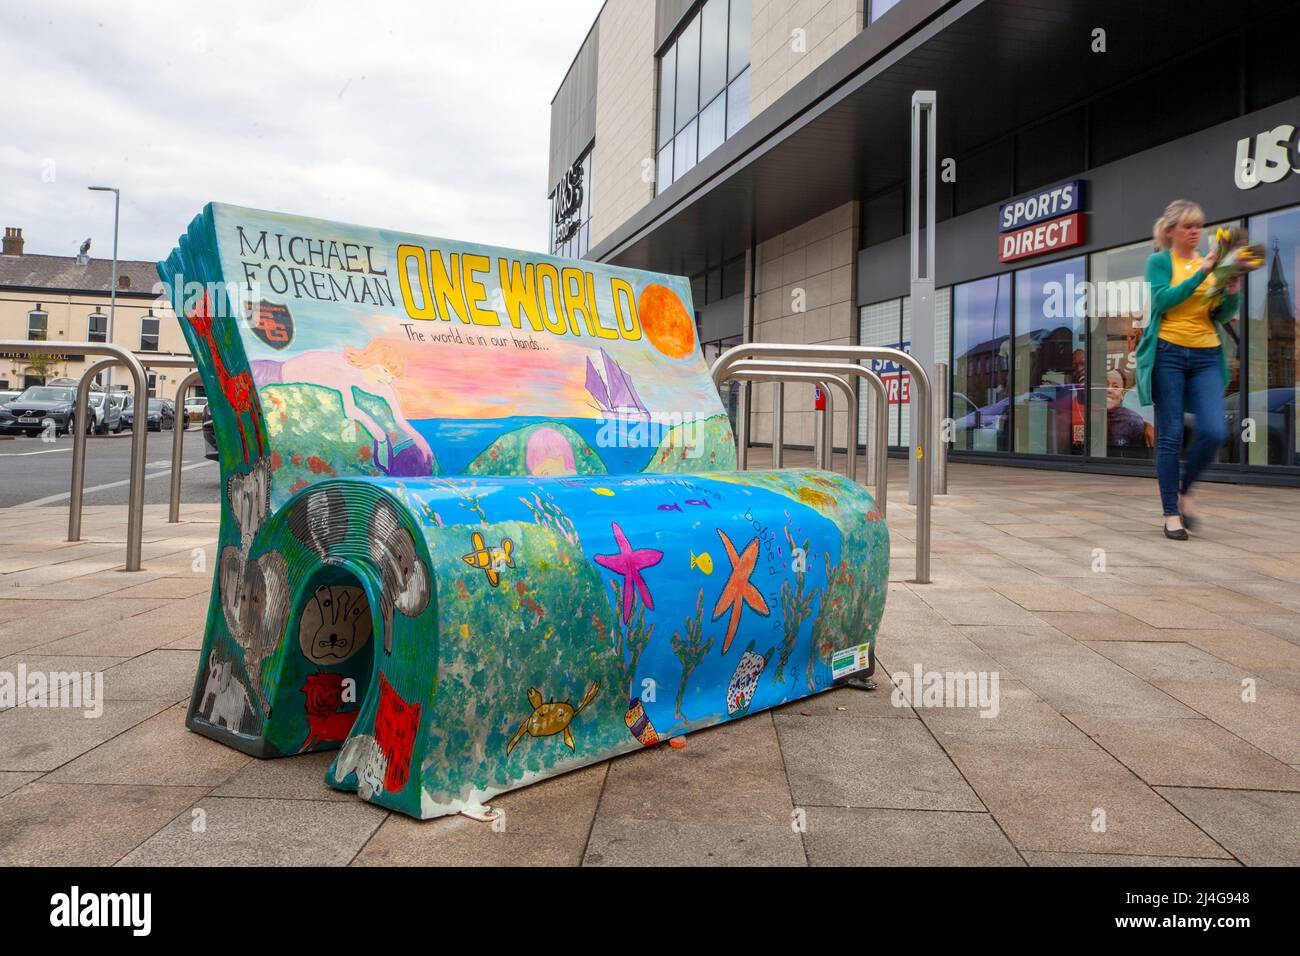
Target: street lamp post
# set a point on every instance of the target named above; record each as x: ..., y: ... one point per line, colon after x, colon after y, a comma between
x: 112, y: 292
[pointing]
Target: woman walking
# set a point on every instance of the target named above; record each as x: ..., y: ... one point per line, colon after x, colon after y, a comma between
x: 1181, y: 363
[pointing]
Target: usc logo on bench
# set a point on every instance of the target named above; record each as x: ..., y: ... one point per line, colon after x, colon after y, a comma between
x: 271, y: 322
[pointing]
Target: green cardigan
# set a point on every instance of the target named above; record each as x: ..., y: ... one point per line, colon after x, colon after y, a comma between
x: 1159, y: 272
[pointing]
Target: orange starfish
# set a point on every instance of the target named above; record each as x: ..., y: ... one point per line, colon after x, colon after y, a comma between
x: 739, y: 591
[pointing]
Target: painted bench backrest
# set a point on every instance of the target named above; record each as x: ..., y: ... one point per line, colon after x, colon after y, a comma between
x: 336, y: 349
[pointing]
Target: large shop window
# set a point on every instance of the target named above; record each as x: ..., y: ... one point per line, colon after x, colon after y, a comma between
x: 703, y: 87
x: 981, y: 364
x: 1274, y: 345
x: 1050, y: 364
x: 889, y: 324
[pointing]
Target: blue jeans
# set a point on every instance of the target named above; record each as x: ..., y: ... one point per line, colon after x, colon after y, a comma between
x: 1193, y: 378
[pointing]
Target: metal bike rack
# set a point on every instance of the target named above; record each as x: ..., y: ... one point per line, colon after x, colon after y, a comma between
x: 881, y: 443
x: 139, y: 440
x: 921, y: 405
x: 786, y: 375
x: 135, y: 506
x: 178, y: 447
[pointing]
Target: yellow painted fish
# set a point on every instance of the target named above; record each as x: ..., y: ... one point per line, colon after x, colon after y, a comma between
x: 603, y: 491
x: 702, y: 561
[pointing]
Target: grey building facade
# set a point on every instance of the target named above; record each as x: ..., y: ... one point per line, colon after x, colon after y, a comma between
x: 762, y: 146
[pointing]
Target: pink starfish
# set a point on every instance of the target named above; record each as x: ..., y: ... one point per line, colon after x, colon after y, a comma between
x: 630, y: 563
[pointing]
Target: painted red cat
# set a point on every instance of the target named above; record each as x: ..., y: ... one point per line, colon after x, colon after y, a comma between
x: 324, y: 698
x: 396, y: 723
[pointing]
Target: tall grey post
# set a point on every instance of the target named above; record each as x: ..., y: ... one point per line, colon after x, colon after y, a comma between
x: 778, y: 425
x: 923, y: 332
x: 112, y: 290
x: 942, y: 403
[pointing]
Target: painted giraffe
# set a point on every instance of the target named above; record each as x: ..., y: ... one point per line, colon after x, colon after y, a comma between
x: 239, y: 389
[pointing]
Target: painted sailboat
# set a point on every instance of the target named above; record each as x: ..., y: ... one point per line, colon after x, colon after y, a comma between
x: 614, y: 395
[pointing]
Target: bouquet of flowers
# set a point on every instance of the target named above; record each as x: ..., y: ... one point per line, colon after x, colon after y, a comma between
x: 1236, y: 258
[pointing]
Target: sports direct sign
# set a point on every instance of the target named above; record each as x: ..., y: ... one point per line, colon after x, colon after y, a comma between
x: 1042, y: 222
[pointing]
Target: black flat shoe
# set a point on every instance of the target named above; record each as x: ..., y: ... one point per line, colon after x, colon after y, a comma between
x: 1178, y: 534
x: 1189, y: 522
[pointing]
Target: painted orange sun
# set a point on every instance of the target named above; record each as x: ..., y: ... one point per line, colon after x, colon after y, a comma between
x: 667, y: 324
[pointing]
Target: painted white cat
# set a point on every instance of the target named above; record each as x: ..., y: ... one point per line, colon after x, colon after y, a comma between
x: 362, y: 754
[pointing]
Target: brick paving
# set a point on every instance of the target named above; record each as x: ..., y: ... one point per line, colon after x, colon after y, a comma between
x: 1148, y: 709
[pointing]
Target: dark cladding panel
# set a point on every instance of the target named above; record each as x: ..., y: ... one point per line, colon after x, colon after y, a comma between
x: 668, y: 14
x: 1121, y: 201
x: 573, y: 111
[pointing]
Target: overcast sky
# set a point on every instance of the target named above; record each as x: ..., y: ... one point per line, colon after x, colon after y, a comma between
x: 431, y: 117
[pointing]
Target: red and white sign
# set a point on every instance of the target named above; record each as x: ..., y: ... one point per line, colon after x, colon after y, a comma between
x: 819, y: 400
x: 899, y: 389
x: 1044, y: 237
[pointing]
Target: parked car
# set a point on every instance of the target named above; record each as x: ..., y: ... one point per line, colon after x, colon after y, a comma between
x: 37, y: 405
x: 161, y: 414
x: 195, y: 409
x: 107, y: 412
x: 209, y: 435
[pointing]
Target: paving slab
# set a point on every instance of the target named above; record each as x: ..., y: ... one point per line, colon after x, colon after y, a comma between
x: 627, y: 842
x: 1187, y: 753
x: 1257, y: 827
x: 39, y: 738
x: 546, y: 824
x: 1075, y: 801
x: 869, y: 762
x: 300, y: 777
x: 838, y: 836
x: 232, y: 831
x: 1072, y: 677
x: 159, y: 751
x: 45, y: 824
x: 731, y: 770
x: 1037, y: 858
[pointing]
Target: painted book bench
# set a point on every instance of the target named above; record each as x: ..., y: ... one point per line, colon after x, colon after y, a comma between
x: 481, y: 520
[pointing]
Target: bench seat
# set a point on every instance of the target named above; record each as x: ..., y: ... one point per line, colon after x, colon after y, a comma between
x: 462, y: 604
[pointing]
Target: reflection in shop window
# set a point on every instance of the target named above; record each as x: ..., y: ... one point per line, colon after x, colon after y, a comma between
x: 1274, y: 344
x: 1050, y: 363
x: 981, y: 343
x: 1121, y: 427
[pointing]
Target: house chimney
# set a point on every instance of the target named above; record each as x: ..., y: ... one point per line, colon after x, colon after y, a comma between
x: 123, y: 281
x: 13, y: 241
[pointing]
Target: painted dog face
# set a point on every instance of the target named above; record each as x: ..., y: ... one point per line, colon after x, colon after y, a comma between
x: 335, y: 624
x: 320, y: 521
x: 406, y: 585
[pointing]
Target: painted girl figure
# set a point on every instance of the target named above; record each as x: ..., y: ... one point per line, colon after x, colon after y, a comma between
x: 371, y: 370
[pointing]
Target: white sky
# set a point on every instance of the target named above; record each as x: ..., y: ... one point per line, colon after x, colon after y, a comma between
x: 432, y: 117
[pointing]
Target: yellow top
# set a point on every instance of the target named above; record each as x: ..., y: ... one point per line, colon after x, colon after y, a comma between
x: 1189, y: 322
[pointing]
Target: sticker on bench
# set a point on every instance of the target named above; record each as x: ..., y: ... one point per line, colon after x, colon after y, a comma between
x: 850, y: 661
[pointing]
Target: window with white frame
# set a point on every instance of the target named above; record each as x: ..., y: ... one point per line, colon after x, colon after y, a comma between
x: 38, y: 325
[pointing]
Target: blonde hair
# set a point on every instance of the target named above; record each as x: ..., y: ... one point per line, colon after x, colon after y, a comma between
x: 377, y: 352
x: 1176, y: 213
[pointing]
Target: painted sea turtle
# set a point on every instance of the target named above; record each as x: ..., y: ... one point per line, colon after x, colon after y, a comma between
x: 552, y: 718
